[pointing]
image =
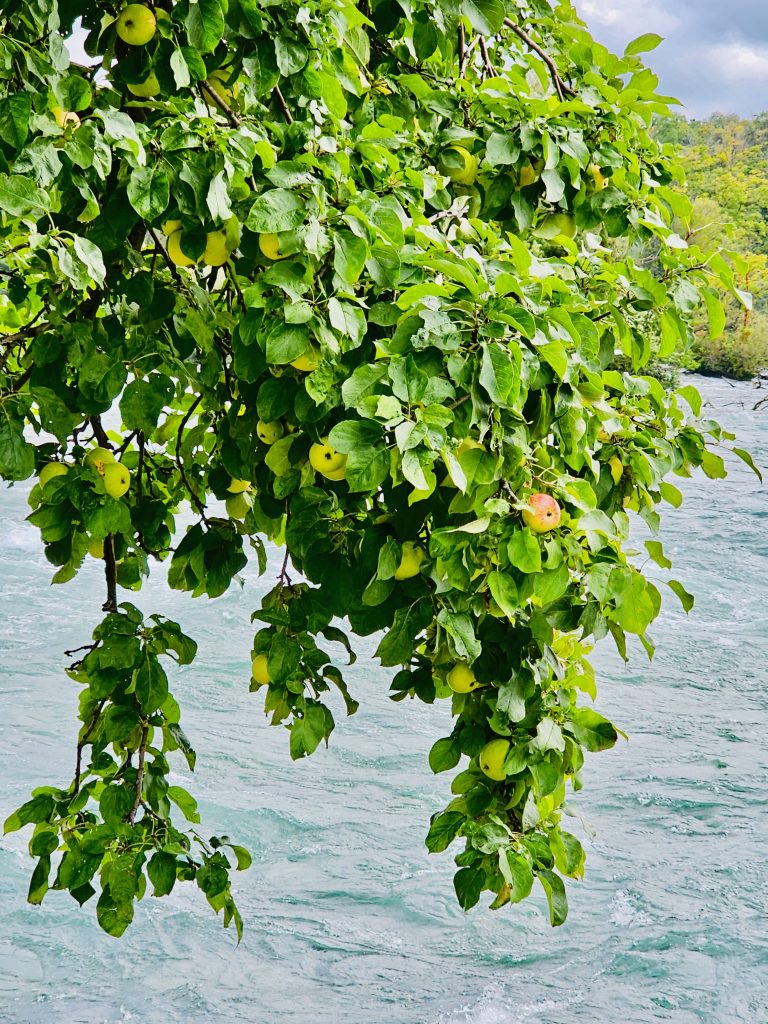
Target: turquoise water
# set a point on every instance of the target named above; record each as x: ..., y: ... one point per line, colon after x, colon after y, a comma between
x: 347, y: 917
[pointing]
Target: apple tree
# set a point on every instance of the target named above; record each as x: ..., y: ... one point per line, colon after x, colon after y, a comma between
x: 369, y: 282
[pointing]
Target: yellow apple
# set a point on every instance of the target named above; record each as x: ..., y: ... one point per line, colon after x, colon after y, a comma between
x: 542, y: 514
x: 51, y: 470
x: 117, y: 479
x: 216, y: 252
x: 307, y: 361
x: 270, y: 246
x: 99, y: 459
x: 175, y: 253
x: 260, y: 669
x: 326, y: 460
x: 492, y: 758
x: 461, y: 679
x: 65, y: 118
x: 238, y: 486
x: 238, y: 505
x: 149, y: 87
x: 136, y: 25
x: 218, y: 82
x: 268, y: 433
x: 557, y: 224
x: 169, y: 227
x: 410, y: 561
x: 458, y: 164
x: 617, y: 468
x: 95, y: 548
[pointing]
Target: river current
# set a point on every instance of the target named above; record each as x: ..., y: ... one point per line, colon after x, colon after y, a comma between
x: 348, y: 919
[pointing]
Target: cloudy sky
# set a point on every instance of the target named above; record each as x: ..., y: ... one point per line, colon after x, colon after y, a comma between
x: 715, y: 52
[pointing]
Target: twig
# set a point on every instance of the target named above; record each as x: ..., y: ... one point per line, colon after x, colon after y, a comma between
x: 139, y: 774
x: 110, y: 571
x: 180, y: 462
x: 560, y: 86
x: 169, y: 262
x: 284, y: 578
x: 86, y: 735
x: 222, y: 104
x: 461, y: 47
x: 280, y: 100
x: 486, y: 59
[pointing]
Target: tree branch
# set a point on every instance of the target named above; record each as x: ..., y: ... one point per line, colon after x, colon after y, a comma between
x: 139, y: 774
x: 560, y: 86
x: 280, y: 100
x: 83, y: 741
x: 110, y: 572
x: 180, y: 462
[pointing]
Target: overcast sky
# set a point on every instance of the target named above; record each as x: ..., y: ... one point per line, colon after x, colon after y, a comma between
x: 715, y: 52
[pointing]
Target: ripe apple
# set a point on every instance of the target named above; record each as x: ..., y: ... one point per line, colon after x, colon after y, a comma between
x: 327, y: 461
x: 95, y: 548
x: 216, y: 252
x: 169, y: 227
x: 218, y: 82
x: 260, y: 669
x: 617, y: 468
x: 149, y: 87
x: 136, y: 25
x: 270, y: 246
x: 410, y: 561
x: 99, y: 459
x: 307, y: 361
x: 492, y: 758
x: 176, y: 254
x: 117, y: 479
x: 238, y: 486
x: 238, y: 505
x: 50, y: 470
x: 542, y: 514
x: 461, y: 679
x: 458, y: 164
x: 65, y: 118
x: 268, y: 433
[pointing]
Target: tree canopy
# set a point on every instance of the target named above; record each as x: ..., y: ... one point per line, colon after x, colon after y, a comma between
x: 351, y: 279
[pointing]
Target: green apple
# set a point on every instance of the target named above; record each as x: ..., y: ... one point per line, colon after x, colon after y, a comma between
x: 461, y: 679
x: 260, y: 669
x: 238, y: 505
x: 95, y: 548
x: 149, y: 87
x: 216, y: 252
x: 528, y: 176
x: 176, y: 254
x: 410, y: 561
x: 136, y: 25
x: 50, y: 470
x: 99, y: 459
x: 65, y: 118
x: 117, y: 479
x: 458, y: 164
x: 542, y: 513
x: 326, y: 460
x: 556, y: 224
x: 268, y: 433
x: 492, y: 757
x: 169, y: 227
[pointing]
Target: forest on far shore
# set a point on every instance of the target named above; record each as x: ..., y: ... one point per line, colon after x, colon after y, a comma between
x: 726, y: 164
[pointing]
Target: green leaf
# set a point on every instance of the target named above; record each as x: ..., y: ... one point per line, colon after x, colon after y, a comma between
x: 149, y: 191
x: 656, y: 550
x: 500, y: 373
x: 350, y: 254
x: 19, y: 197
x: 504, y: 592
x: 275, y: 211
x: 150, y: 684
x: 485, y: 16
x: 461, y: 632
x: 746, y: 457
x: 286, y: 342
x: 517, y: 874
x: 554, y: 887
x: 512, y: 697
x: 161, y: 870
x: 205, y: 24
x: 524, y: 551
x: 114, y: 918
x: 397, y: 646
x: 142, y: 402
x: 591, y: 730
x: 39, y: 808
x: 17, y: 458
x: 444, y: 756
x: 686, y: 600
x: 443, y: 830
x: 185, y: 802
x: 468, y: 883
x: 643, y: 44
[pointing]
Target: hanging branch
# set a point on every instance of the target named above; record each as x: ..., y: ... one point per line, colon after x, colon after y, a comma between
x: 139, y: 774
x: 280, y: 100
x: 84, y: 739
x: 560, y: 86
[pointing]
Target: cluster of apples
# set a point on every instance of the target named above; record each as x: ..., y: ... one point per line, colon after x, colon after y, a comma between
x: 219, y: 244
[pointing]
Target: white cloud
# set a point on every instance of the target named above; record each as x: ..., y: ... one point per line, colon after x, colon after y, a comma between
x: 625, y: 19
x: 735, y: 63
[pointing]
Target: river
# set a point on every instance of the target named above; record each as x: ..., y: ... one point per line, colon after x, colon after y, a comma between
x: 348, y: 919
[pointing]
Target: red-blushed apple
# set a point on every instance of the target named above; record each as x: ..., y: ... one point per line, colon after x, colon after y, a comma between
x: 542, y: 514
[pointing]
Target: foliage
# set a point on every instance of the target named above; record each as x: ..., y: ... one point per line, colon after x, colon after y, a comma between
x: 330, y: 277
x: 726, y: 167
